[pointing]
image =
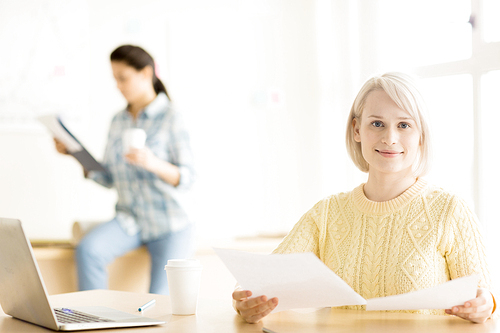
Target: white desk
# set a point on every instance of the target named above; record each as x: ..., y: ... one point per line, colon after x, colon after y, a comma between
x: 217, y: 315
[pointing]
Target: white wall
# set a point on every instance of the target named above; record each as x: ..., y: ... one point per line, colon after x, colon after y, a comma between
x: 264, y: 102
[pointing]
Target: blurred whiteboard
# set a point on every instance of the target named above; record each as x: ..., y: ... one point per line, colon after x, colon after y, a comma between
x: 44, y: 60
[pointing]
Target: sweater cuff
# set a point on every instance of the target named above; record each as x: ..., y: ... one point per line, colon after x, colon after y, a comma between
x: 494, y: 303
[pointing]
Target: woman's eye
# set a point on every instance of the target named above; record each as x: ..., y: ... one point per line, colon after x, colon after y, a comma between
x: 404, y: 125
x: 377, y: 124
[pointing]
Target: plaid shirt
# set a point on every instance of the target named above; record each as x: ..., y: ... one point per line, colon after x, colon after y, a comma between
x: 146, y: 203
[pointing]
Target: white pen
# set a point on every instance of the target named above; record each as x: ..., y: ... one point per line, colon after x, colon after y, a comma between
x: 147, y: 305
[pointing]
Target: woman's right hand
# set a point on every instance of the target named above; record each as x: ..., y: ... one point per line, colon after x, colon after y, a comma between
x: 253, y: 309
x: 60, y: 147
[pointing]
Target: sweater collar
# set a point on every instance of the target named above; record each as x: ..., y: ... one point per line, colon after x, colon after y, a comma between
x: 373, y: 207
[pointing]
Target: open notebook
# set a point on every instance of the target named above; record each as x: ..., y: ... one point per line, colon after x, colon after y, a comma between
x: 23, y: 294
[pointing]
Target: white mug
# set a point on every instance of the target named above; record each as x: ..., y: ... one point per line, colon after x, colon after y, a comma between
x: 133, y: 138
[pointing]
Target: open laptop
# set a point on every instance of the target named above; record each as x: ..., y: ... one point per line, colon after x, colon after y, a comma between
x: 23, y: 294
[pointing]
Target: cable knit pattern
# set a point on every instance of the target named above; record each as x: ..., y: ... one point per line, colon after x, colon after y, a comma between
x: 422, y: 238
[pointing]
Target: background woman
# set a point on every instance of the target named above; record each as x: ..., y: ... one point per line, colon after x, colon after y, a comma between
x: 396, y: 233
x: 150, y: 182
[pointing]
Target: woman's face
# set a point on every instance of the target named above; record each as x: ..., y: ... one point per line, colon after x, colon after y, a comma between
x: 389, y: 136
x: 131, y: 82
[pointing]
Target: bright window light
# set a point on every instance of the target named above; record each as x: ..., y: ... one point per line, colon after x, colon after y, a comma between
x: 451, y: 119
x: 491, y: 26
x: 489, y: 141
x: 490, y: 175
x: 418, y: 33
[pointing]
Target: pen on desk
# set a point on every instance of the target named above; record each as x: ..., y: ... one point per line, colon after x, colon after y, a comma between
x: 267, y: 330
x: 147, y: 305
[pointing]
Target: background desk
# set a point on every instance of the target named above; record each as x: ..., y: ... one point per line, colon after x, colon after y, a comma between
x: 217, y: 315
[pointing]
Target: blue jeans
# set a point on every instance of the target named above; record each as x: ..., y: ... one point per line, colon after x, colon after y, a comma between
x: 109, y: 241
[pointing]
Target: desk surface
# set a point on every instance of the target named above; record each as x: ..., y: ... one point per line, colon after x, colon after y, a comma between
x: 218, y: 316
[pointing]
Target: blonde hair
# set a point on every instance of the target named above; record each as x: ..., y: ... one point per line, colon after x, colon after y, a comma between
x: 402, y: 89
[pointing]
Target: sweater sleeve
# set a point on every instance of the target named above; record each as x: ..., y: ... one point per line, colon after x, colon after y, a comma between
x: 465, y: 250
x: 304, y: 236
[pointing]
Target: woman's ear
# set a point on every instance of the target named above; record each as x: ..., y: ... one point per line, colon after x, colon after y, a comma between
x: 147, y: 72
x: 355, y: 127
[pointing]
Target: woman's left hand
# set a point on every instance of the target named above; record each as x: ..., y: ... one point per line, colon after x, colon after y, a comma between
x: 477, y: 310
x: 143, y: 158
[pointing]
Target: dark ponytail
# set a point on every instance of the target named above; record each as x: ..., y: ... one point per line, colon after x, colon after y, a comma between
x: 159, y: 86
x: 138, y: 58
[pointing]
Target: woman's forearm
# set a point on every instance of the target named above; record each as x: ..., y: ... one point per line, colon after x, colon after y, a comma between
x: 166, y: 171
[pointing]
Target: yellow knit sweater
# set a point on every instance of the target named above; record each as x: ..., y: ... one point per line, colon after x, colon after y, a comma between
x: 422, y: 238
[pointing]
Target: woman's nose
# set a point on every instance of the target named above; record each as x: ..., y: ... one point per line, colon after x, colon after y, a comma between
x: 390, y: 137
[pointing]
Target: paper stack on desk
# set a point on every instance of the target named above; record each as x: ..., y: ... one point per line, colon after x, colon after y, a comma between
x: 301, y: 280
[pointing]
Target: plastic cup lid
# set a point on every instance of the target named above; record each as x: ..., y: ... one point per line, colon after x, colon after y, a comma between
x: 195, y: 263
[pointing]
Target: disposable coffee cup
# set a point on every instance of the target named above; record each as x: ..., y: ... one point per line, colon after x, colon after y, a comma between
x: 133, y: 138
x: 184, y: 276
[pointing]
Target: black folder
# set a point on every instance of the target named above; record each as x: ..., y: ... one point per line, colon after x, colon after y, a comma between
x: 88, y: 162
x: 61, y: 132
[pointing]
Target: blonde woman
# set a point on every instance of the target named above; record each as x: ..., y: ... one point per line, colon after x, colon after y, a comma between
x: 396, y: 233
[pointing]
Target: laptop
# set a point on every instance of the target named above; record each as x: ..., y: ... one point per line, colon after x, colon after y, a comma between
x: 23, y: 294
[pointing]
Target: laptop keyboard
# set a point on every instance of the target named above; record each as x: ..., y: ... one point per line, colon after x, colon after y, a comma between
x: 68, y: 316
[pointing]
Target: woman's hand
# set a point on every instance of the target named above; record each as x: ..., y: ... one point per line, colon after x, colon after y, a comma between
x: 60, y: 147
x: 143, y: 158
x: 253, y: 309
x: 477, y: 310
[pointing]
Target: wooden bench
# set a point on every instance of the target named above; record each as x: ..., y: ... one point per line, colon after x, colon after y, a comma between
x: 130, y: 272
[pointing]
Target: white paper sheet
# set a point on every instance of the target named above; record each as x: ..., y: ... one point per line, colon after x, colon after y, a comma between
x: 301, y: 280
x: 443, y: 296
x: 54, y: 126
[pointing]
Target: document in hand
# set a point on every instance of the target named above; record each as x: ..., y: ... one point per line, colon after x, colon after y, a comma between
x: 301, y: 280
x: 75, y: 148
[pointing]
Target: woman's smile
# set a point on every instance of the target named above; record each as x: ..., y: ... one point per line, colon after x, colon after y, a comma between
x: 389, y: 153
